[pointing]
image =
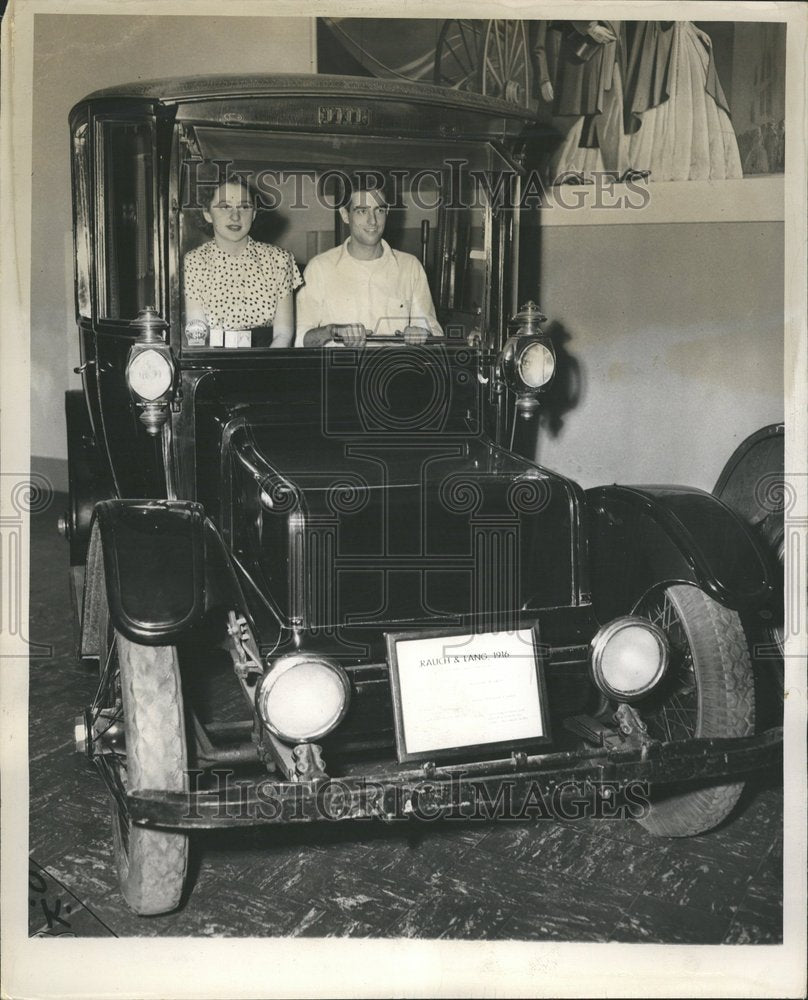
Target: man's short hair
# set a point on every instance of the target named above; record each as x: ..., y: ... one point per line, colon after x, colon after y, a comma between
x: 361, y: 181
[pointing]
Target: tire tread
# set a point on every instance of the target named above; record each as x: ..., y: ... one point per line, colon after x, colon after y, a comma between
x: 153, y: 870
x: 726, y: 709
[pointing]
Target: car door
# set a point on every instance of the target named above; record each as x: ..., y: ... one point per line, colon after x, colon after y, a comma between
x: 128, y: 273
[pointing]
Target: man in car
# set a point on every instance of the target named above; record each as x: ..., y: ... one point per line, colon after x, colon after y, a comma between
x: 363, y: 286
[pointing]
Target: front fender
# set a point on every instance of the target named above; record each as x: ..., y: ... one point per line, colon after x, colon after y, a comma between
x: 644, y: 536
x: 163, y: 565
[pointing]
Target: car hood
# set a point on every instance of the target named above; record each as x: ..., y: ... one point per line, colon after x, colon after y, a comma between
x: 398, y: 529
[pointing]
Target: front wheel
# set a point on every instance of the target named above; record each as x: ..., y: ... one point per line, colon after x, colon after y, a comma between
x: 708, y: 691
x: 139, y: 722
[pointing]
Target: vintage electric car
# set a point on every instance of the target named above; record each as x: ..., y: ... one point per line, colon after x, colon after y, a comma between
x: 415, y: 617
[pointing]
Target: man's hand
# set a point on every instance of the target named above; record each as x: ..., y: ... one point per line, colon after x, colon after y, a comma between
x: 352, y: 334
x: 415, y: 335
x: 349, y: 334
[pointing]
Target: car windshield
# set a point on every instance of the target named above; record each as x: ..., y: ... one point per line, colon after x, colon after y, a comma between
x: 439, y: 197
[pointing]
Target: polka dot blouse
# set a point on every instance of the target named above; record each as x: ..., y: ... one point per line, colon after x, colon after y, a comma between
x: 243, y: 290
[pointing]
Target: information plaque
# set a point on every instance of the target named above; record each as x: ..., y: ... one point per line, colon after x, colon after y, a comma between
x: 461, y: 695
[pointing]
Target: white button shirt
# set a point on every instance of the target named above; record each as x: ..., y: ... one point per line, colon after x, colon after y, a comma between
x: 385, y: 294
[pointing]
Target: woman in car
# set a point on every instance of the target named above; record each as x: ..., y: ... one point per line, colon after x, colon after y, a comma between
x: 233, y: 282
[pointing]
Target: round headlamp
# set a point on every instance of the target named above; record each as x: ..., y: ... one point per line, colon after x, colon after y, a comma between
x: 302, y: 697
x: 149, y: 374
x: 535, y: 364
x: 628, y: 657
x: 527, y: 363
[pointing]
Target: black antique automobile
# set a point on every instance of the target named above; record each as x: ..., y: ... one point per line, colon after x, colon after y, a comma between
x: 333, y: 583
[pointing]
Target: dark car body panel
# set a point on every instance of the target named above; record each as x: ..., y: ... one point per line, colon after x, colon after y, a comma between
x: 165, y: 566
x: 269, y: 93
x: 644, y: 536
x: 89, y: 478
x: 752, y: 481
x: 288, y: 456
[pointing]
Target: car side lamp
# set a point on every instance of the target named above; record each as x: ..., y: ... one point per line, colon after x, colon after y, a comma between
x: 527, y: 363
x: 151, y: 370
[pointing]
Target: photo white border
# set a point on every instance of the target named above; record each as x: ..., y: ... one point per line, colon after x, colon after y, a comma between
x: 218, y: 967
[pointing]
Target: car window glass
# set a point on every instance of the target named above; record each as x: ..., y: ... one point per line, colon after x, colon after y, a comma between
x: 81, y: 230
x: 297, y: 213
x: 439, y: 216
x: 128, y: 219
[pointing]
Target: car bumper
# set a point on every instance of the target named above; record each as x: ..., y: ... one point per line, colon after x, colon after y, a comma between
x: 522, y: 786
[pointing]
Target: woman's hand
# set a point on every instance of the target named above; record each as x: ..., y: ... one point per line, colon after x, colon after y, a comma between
x: 283, y: 325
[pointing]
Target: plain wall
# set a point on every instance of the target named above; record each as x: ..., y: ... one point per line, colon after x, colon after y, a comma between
x: 73, y: 56
x: 678, y: 333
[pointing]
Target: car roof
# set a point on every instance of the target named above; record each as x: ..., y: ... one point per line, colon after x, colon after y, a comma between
x: 182, y: 89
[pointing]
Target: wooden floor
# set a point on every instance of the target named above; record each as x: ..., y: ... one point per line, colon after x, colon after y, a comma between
x: 543, y: 880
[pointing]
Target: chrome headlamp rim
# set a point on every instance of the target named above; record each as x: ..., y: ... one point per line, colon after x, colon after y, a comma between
x: 283, y: 665
x: 521, y: 355
x: 603, y: 637
x: 149, y: 355
x: 512, y: 358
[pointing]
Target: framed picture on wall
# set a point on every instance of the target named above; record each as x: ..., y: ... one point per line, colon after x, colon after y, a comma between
x: 673, y: 100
